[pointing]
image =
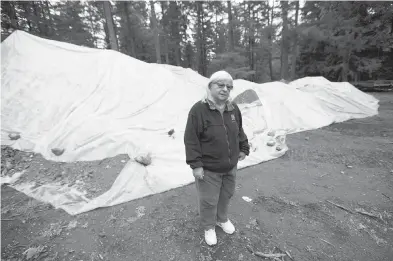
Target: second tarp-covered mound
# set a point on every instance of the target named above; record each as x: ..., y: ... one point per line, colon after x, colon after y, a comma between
x: 342, y: 99
x: 306, y: 104
x: 90, y: 104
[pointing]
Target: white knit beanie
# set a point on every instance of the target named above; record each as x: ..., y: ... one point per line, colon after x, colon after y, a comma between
x: 220, y: 75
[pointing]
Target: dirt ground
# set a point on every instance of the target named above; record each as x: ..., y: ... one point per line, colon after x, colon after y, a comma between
x: 329, y: 198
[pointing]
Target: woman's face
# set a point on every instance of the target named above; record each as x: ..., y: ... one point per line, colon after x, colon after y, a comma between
x: 221, y: 89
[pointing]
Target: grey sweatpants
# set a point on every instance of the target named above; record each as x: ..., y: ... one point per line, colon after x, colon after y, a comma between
x: 214, y: 193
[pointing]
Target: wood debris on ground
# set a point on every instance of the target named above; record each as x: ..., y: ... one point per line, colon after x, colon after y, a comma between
x: 34, y: 252
x: 372, y: 215
x: 340, y: 206
x: 387, y: 196
x: 327, y: 242
x: 264, y: 255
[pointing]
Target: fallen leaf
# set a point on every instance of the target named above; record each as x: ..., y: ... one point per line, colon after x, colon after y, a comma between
x: 254, y: 222
x: 33, y: 252
x: 361, y: 226
x: 112, y: 218
x: 54, y: 230
x: 247, y: 199
x: 72, y: 225
x: 140, y: 211
x: 132, y: 219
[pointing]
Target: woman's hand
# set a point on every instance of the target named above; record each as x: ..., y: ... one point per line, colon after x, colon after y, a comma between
x: 198, y: 173
x: 242, y: 156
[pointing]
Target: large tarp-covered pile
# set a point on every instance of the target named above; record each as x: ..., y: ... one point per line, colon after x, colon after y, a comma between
x: 95, y: 104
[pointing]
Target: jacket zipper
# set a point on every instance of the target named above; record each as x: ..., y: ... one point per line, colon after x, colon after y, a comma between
x: 226, y: 132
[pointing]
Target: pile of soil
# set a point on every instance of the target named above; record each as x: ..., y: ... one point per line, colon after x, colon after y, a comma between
x: 94, y: 177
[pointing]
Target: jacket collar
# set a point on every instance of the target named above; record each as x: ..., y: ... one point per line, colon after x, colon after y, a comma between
x: 228, y: 105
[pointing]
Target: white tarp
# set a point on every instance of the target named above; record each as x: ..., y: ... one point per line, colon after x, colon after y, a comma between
x: 342, y: 99
x: 96, y: 104
x: 309, y: 103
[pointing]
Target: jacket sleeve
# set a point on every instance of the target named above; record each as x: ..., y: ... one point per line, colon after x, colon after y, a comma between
x: 192, y: 143
x: 243, y: 140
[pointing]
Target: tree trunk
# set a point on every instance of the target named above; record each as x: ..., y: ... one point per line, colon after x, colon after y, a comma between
x: 284, y: 41
x: 26, y: 8
x: 344, y: 71
x: 12, y: 14
x: 350, y: 37
x: 199, y: 38
x: 345, y: 65
x: 188, y: 56
x: 253, y: 40
x: 175, y: 32
x: 45, y: 19
x: 37, y: 19
x: 166, y: 50
x: 230, y: 26
x: 295, y: 47
x: 236, y: 31
x: 165, y: 35
x: 391, y: 28
x: 177, y: 55
x: 92, y: 25
x: 110, y: 26
x: 216, y: 29
x: 130, y: 33
x: 107, y: 40
x: 202, y: 66
x: 47, y: 8
x: 250, y: 36
x: 271, y: 43
x: 156, y: 34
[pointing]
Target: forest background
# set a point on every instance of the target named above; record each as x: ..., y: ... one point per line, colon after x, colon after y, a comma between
x: 260, y: 41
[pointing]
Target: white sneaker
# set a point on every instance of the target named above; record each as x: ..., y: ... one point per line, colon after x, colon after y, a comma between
x: 210, y: 237
x: 228, y: 227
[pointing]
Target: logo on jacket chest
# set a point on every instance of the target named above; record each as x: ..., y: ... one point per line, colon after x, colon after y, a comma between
x: 233, y: 117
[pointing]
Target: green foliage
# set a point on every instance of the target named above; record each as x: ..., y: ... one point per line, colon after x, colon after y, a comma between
x: 342, y: 41
x: 345, y: 40
x: 69, y: 26
x: 234, y: 63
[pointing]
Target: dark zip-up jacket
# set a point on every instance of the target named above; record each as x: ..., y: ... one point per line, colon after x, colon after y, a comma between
x: 214, y: 140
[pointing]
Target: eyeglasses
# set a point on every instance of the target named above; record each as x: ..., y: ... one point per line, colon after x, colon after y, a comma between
x: 222, y: 85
